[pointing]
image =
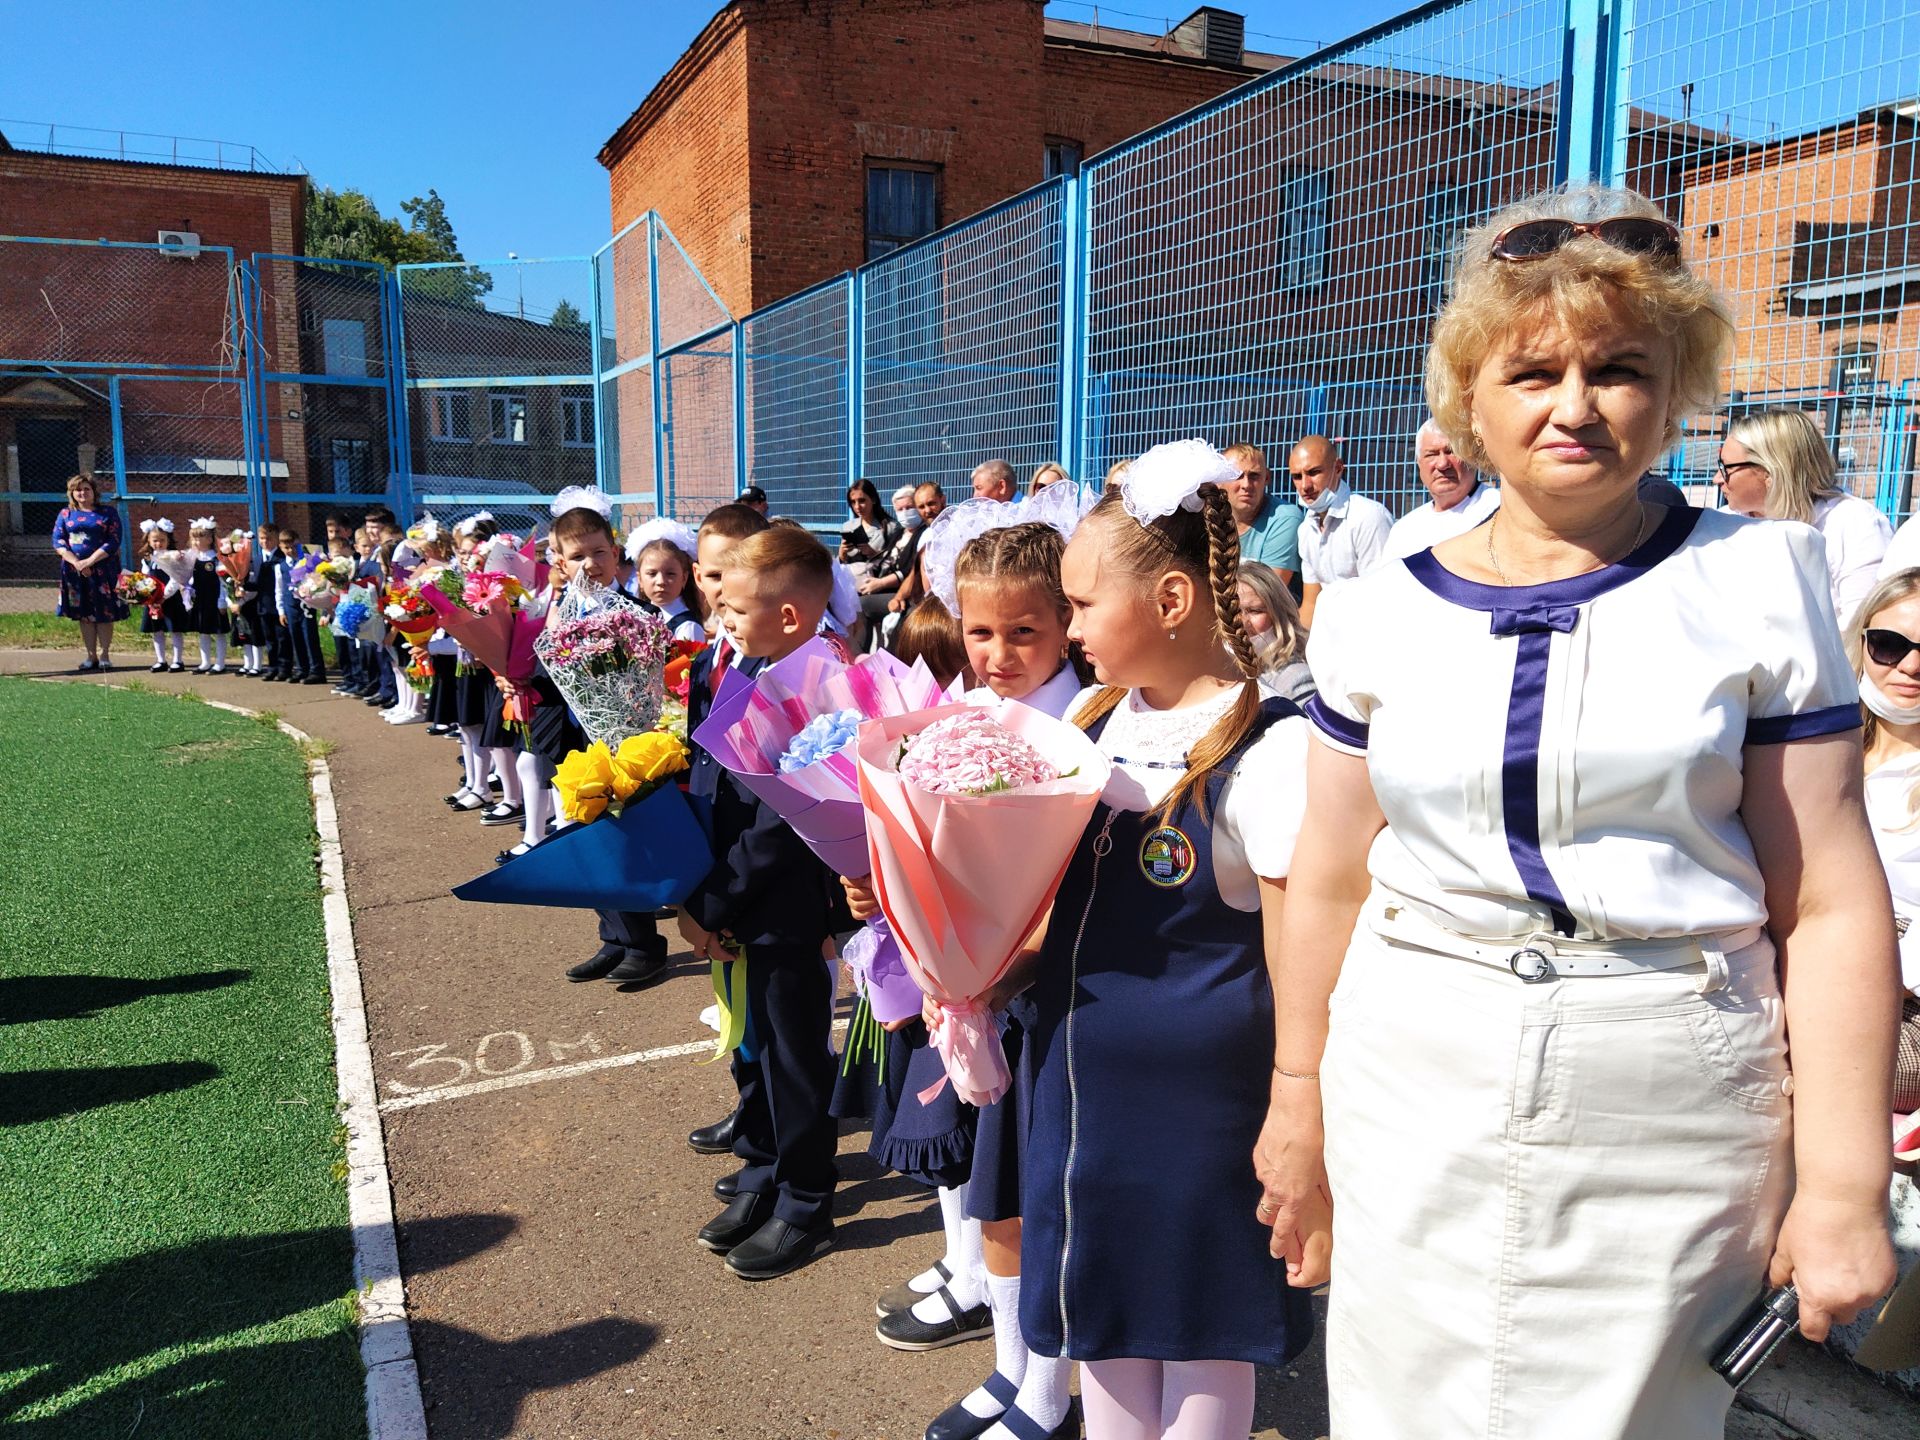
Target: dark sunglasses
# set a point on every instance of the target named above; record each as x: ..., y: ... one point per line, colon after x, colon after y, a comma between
x: 1636, y: 234
x: 1889, y: 647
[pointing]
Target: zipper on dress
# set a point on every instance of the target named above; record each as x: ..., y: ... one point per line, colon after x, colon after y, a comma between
x: 1103, y: 842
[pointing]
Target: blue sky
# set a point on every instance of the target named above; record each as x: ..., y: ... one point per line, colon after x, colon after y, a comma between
x: 501, y: 107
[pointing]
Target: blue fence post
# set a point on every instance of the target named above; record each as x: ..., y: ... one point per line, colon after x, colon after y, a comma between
x: 403, y: 439
x: 1893, y: 445
x: 739, y: 407
x: 1591, y: 143
x: 601, y: 459
x: 653, y: 367
x: 252, y: 453
x: 119, y: 465
x: 1073, y: 323
x: 856, y: 376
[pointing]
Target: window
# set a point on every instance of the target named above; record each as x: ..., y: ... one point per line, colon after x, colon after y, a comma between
x: 576, y: 416
x: 1449, y: 212
x: 507, y: 419
x: 1302, y: 252
x: 1856, y: 368
x: 351, y: 462
x: 1063, y: 157
x: 903, y: 203
x: 451, y: 415
x: 344, y: 343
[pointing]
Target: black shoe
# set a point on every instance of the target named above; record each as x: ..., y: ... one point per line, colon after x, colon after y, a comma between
x: 777, y: 1249
x: 374, y: 700
x: 740, y: 1221
x: 715, y: 1139
x: 638, y: 968
x: 157, y: 667
x: 956, y: 1422
x: 504, y: 814
x: 727, y: 1186
x: 203, y: 669
x: 314, y: 680
x: 904, y: 1330
x: 176, y: 668
x: 904, y: 1297
x: 596, y: 965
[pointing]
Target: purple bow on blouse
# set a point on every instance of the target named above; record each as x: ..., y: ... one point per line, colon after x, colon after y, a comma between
x: 1535, y: 620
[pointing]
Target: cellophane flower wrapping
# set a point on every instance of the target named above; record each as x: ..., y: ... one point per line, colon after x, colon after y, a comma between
x: 357, y: 617
x: 136, y: 587
x: 408, y: 612
x: 490, y: 614
x: 963, y: 878
x: 176, y: 570
x: 600, y: 780
x: 607, y: 657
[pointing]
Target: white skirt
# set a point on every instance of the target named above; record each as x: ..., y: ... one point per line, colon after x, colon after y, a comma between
x: 1550, y: 1200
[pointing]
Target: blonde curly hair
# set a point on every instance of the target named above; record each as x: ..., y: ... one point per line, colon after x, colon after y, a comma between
x: 1583, y: 285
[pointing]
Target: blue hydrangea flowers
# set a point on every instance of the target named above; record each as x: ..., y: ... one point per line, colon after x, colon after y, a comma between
x: 822, y: 736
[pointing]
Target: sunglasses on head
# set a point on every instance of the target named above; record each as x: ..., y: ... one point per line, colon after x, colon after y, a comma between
x: 1636, y: 234
x: 1889, y: 647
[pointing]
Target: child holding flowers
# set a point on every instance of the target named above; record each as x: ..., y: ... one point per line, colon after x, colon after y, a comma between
x: 1153, y: 1062
x: 208, y: 616
x: 770, y: 898
x: 169, y: 620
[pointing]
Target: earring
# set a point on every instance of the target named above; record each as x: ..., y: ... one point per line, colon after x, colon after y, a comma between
x: 1173, y: 634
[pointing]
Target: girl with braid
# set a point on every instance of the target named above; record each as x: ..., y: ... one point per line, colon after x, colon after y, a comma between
x: 1152, y: 1019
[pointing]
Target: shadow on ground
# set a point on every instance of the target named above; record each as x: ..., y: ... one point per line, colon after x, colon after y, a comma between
x: 30, y: 1096
x: 64, y: 1336
x: 25, y: 999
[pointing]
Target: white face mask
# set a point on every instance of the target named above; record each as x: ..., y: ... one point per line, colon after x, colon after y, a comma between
x: 908, y: 518
x: 1882, y: 704
x: 1319, y: 504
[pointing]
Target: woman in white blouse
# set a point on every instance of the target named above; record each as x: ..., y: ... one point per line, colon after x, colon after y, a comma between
x: 1885, y: 646
x: 1588, y: 794
x: 1776, y: 465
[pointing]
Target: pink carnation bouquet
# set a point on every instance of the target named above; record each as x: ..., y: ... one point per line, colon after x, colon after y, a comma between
x: 607, y: 657
x: 972, y: 816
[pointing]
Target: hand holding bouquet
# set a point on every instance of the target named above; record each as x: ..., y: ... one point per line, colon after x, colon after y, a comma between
x: 972, y: 818
x: 486, y: 611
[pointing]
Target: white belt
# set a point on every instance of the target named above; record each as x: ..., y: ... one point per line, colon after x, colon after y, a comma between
x: 1545, y: 956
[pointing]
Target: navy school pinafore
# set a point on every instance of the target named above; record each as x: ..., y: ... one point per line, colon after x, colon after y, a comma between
x: 1151, y: 1045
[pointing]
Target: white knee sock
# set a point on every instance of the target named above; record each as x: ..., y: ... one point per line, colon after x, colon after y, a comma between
x: 253, y: 657
x: 534, y: 775
x: 1010, y: 1355
x: 964, y: 1259
x: 159, y: 649
x: 501, y: 759
x: 474, y: 758
x: 220, y: 650
x: 953, y: 1213
x: 1043, y: 1391
x: 206, y: 650
x: 179, y: 648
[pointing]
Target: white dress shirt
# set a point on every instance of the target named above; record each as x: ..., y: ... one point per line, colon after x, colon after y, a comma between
x: 1857, y: 537
x: 1426, y: 527
x: 1345, y: 540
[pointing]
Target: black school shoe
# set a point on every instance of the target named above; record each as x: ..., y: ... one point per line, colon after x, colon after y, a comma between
x: 715, y: 1139
x: 596, y: 965
x: 738, y: 1223
x: 904, y: 1330
x: 639, y: 968
x: 904, y: 1297
x: 778, y: 1248
x: 727, y: 1187
x: 956, y: 1422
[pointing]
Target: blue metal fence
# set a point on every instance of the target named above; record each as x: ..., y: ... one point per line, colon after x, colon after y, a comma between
x: 1261, y: 268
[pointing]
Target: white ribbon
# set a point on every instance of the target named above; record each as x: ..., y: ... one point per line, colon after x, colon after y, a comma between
x: 1168, y: 478
x: 661, y: 528
x: 583, y: 497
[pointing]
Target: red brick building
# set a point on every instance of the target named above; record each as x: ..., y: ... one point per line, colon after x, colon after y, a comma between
x: 70, y: 313
x: 795, y: 140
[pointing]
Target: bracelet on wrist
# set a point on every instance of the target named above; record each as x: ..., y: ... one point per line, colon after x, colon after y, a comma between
x: 1296, y: 1074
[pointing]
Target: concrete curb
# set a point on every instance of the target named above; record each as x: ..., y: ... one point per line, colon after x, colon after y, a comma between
x: 395, y: 1409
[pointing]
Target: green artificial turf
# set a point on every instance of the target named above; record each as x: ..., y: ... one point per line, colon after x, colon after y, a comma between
x: 175, y: 1257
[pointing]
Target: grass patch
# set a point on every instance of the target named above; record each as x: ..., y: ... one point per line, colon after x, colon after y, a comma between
x: 42, y: 630
x: 177, y: 1259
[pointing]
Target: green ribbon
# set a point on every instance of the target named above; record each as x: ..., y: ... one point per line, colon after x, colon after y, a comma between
x: 730, y: 993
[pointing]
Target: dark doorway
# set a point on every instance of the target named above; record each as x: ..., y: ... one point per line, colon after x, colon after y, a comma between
x: 49, y: 448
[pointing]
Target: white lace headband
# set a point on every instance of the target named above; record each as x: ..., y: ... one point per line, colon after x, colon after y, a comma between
x: 205, y: 522
x: 1061, y: 506
x: 1168, y: 478
x: 161, y: 524
x: 583, y: 497
x: 661, y: 528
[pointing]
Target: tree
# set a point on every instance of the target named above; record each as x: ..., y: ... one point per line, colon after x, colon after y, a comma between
x: 566, y: 317
x: 347, y: 225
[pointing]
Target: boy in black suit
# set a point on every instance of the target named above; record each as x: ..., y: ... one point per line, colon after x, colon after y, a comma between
x: 771, y: 897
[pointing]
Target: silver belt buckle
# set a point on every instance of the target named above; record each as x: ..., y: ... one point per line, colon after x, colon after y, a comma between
x: 1530, y: 965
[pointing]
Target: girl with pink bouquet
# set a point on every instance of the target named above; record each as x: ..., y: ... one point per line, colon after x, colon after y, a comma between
x: 1151, y: 1044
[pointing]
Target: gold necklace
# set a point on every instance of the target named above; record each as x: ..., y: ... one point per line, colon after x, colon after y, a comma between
x: 1639, y: 533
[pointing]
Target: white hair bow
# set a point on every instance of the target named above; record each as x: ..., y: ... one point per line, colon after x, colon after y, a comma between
x: 205, y: 522
x: 1168, y: 478
x: 661, y: 527
x: 161, y: 524
x: 427, y: 530
x: 472, y: 522
x: 583, y: 497
x: 1061, y: 506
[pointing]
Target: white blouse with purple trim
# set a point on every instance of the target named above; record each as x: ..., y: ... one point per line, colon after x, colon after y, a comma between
x: 1567, y: 757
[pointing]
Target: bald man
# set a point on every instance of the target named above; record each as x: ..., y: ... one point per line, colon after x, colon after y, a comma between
x: 993, y: 480
x: 1344, y: 534
x: 1458, y: 499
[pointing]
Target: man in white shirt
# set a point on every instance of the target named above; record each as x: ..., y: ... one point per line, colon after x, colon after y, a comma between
x: 994, y: 480
x: 1344, y: 534
x: 1460, y: 499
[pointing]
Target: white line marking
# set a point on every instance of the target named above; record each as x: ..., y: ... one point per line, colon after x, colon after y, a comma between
x: 395, y: 1410
x: 552, y: 1072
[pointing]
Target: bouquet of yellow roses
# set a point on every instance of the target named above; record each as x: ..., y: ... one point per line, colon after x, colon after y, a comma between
x: 597, y: 781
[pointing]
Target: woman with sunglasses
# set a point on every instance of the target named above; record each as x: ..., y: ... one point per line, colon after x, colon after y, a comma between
x: 1885, y: 646
x: 1776, y: 465
x: 1589, y: 780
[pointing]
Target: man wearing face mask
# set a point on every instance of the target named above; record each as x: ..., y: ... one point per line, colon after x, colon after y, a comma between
x: 1458, y: 499
x: 1344, y: 534
x: 890, y: 571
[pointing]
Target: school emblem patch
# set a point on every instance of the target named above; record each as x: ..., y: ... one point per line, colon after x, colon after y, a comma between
x: 1166, y: 858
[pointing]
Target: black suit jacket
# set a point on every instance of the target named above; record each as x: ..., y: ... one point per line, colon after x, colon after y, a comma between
x: 766, y: 887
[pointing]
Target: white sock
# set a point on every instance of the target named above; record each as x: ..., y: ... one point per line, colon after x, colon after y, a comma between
x: 220, y: 650
x: 179, y: 649
x: 1042, y: 1397
x: 474, y: 758
x: 159, y: 650
x: 534, y: 775
x: 206, y: 650
x: 964, y: 1259
x: 505, y: 772
x: 953, y: 1214
x: 1010, y: 1354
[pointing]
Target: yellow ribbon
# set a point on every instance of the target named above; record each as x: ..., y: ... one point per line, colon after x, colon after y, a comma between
x: 730, y: 994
